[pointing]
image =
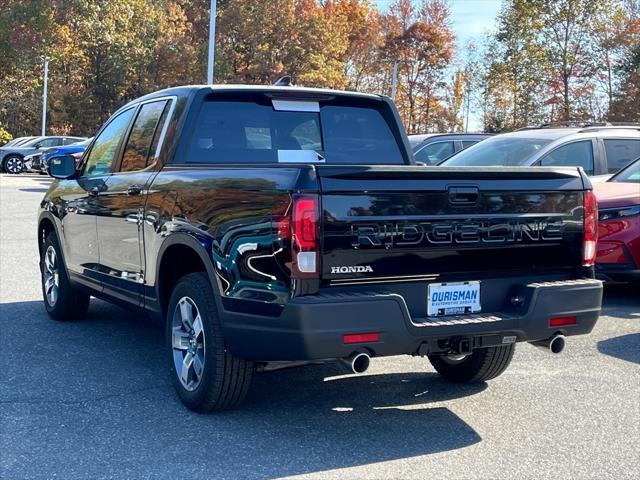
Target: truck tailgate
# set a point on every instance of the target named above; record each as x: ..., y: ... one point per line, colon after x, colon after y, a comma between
x: 403, y: 223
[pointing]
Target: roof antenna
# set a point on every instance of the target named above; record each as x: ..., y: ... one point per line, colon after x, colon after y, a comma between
x: 284, y: 81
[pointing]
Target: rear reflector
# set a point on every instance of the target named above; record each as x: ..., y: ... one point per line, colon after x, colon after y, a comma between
x: 562, y: 321
x: 361, y: 337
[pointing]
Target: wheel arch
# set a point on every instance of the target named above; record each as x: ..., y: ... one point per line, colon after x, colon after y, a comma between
x: 46, y: 225
x: 179, y: 255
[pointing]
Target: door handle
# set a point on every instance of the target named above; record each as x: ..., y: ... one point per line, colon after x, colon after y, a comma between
x: 463, y: 195
x: 134, y: 190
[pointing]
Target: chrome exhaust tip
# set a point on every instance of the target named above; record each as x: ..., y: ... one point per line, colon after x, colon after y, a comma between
x: 555, y: 344
x: 357, y: 362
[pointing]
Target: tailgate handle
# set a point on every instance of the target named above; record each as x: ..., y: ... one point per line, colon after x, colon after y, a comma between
x: 463, y: 195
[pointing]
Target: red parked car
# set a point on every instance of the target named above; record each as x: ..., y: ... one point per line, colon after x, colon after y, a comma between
x: 618, y: 254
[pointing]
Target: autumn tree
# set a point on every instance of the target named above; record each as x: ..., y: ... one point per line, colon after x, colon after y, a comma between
x: 421, y: 40
x: 626, y: 102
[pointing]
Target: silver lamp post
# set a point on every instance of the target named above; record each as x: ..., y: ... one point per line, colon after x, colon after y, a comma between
x: 44, y: 95
x: 212, y: 41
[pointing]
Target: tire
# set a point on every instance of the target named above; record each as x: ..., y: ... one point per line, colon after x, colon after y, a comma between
x: 223, y: 380
x: 13, y: 164
x: 481, y: 365
x: 61, y: 300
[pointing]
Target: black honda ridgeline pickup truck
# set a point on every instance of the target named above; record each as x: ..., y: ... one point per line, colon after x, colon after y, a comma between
x: 285, y: 224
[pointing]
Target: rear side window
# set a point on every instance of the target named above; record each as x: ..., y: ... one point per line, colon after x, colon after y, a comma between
x: 435, y: 152
x: 576, y: 154
x: 468, y: 143
x: 139, y: 143
x: 620, y: 153
x: 255, y: 132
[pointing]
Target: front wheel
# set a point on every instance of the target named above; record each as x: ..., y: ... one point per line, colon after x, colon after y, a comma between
x: 13, y: 164
x: 206, y: 376
x: 61, y: 299
x: 481, y: 365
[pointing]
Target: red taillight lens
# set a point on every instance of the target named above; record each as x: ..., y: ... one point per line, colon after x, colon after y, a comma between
x: 590, y: 229
x: 304, y: 236
x: 305, y: 220
x: 361, y: 337
x: 562, y: 321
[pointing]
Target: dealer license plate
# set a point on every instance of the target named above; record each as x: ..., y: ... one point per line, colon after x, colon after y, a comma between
x: 453, y: 298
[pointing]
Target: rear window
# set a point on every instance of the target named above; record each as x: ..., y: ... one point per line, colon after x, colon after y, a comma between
x: 255, y: 132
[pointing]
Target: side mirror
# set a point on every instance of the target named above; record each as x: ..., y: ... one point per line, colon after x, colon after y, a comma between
x: 37, y: 145
x: 62, y: 167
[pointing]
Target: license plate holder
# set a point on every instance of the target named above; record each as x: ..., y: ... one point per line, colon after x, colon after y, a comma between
x: 455, y: 298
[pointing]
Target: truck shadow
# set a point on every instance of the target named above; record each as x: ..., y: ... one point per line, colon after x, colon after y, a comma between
x: 99, y: 389
x: 624, y: 347
x: 621, y: 300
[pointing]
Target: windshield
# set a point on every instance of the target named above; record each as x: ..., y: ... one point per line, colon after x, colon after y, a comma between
x: 498, y: 151
x: 257, y: 132
x: 30, y: 143
x: 631, y: 174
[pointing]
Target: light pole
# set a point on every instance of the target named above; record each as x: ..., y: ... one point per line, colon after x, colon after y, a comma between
x: 394, y: 81
x: 212, y: 41
x: 44, y: 95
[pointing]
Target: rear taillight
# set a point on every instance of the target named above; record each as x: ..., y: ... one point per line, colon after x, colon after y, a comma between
x: 305, y: 216
x: 590, y: 229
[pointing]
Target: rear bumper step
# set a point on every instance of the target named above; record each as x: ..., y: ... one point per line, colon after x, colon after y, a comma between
x: 312, y: 327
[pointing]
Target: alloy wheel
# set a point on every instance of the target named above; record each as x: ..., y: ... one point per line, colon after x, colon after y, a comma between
x: 188, y: 341
x: 51, y: 276
x: 14, y: 165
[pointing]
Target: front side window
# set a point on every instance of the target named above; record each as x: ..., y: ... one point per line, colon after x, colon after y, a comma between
x: 256, y: 132
x: 631, y: 174
x: 468, y: 143
x: 137, y: 149
x: 576, y: 154
x: 620, y: 153
x: 103, y: 152
x: 435, y: 152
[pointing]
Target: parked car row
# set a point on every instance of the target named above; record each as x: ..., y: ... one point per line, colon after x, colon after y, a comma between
x: 13, y: 154
x: 39, y: 162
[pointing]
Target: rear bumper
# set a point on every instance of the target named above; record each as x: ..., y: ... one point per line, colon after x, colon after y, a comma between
x: 312, y: 327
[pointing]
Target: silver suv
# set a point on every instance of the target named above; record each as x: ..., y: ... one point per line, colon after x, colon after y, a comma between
x: 599, y: 150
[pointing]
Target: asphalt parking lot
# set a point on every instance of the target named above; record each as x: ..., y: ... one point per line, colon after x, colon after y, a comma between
x: 92, y: 399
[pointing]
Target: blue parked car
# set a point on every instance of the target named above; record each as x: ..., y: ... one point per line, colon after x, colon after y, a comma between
x: 39, y: 161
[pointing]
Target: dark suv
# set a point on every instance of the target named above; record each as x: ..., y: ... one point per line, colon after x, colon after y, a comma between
x: 282, y: 224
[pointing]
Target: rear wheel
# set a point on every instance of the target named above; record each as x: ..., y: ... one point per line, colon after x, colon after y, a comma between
x: 13, y: 164
x: 62, y: 300
x: 205, y: 375
x: 481, y: 365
